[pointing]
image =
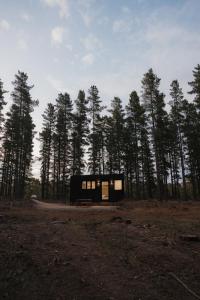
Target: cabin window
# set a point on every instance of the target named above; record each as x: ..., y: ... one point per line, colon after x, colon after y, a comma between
x: 83, y: 185
x: 118, y: 185
x: 89, y: 185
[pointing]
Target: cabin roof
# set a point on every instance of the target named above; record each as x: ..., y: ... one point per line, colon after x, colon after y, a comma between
x: 98, y: 176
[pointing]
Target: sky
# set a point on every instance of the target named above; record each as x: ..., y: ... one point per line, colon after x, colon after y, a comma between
x: 67, y: 45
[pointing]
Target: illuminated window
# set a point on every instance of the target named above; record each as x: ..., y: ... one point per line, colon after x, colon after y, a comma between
x: 118, y: 185
x: 83, y: 185
x: 89, y: 185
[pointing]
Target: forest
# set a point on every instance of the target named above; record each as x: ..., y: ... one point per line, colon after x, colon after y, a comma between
x: 156, y: 147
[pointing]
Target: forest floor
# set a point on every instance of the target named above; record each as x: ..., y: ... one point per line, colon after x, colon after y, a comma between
x: 136, y: 251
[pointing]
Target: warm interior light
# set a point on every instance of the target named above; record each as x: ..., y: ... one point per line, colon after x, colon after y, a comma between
x: 118, y: 185
x: 89, y: 185
x: 83, y: 185
x: 93, y: 185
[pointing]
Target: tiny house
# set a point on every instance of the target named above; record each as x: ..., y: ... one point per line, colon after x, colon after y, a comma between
x: 97, y: 188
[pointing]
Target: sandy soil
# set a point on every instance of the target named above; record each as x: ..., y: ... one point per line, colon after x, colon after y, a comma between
x: 58, y: 206
x: 127, y: 253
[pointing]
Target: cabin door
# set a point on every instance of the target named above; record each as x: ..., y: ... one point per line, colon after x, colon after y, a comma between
x: 104, y: 190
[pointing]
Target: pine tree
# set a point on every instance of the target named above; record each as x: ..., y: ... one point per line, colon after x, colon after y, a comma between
x: 174, y: 159
x: 195, y: 118
x: 191, y: 145
x: 109, y: 143
x: 2, y: 104
x: 157, y: 117
x: 162, y: 140
x: 133, y: 159
x: 79, y: 133
x: 94, y: 138
x: 18, y: 139
x: 138, y: 158
x: 46, y: 151
x: 62, y: 145
x: 177, y: 130
x: 195, y: 85
x: 147, y: 170
x: 117, y: 115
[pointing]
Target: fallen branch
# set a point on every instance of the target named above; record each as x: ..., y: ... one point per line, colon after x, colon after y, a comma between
x: 184, y: 285
x: 59, y: 222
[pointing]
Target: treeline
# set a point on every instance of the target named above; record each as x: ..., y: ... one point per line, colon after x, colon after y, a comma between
x: 157, y: 148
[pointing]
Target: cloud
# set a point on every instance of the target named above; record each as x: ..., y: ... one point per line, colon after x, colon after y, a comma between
x: 4, y: 25
x: 57, y: 35
x: 112, y: 84
x: 56, y: 84
x: 59, y: 86
x: 22, y: 44
x: 62, y: 5
x: 87, y: 19
x: 169, y: 51
x: 121, y: 25
x: 126, y: 9
x: 91, y: 42
x: 88, y: 59
x: 167, y: 35
x: 84, y: 8
x: 69, y: 47
x: 26, y: 17
x: 56, y: 60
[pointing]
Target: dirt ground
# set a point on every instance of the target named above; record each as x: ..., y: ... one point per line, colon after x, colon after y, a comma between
x: 130, y: 252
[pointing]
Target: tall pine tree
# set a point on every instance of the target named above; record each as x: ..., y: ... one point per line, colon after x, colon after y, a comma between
x: 138, y: 158
x: 79, y: 133
x: 95, y: 137
x: 18, y: 140
x: 46, y: 151
x: 177, y: 152
x: 62, y: 145
x: 117, y: 115
x: 157, y: 117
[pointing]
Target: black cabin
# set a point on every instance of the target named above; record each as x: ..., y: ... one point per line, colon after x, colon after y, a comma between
x: 97, y: 188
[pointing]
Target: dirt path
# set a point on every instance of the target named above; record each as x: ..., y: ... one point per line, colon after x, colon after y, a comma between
x: 57, y: 206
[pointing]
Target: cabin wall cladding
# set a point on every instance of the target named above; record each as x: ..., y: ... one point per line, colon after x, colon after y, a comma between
x: 97, y: 188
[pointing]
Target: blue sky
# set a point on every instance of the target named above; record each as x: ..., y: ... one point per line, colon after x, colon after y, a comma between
x: 67, y: 45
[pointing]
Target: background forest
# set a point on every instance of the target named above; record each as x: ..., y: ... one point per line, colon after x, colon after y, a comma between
x: 157, y: 149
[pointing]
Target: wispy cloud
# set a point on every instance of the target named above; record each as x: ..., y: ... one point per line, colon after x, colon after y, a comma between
x: 121, y: 26
x: 69, y: 47
x: 22, y: 44
x: 84, y: 8
x: 55, y: 83
x: 62, y: 5
x: 59, y: 86
x: 57, y: 35
x: 88, y: 59
x: 26, y: 17
x: 4, y: 25
x: 126, y: 9
x: 91, y: 42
